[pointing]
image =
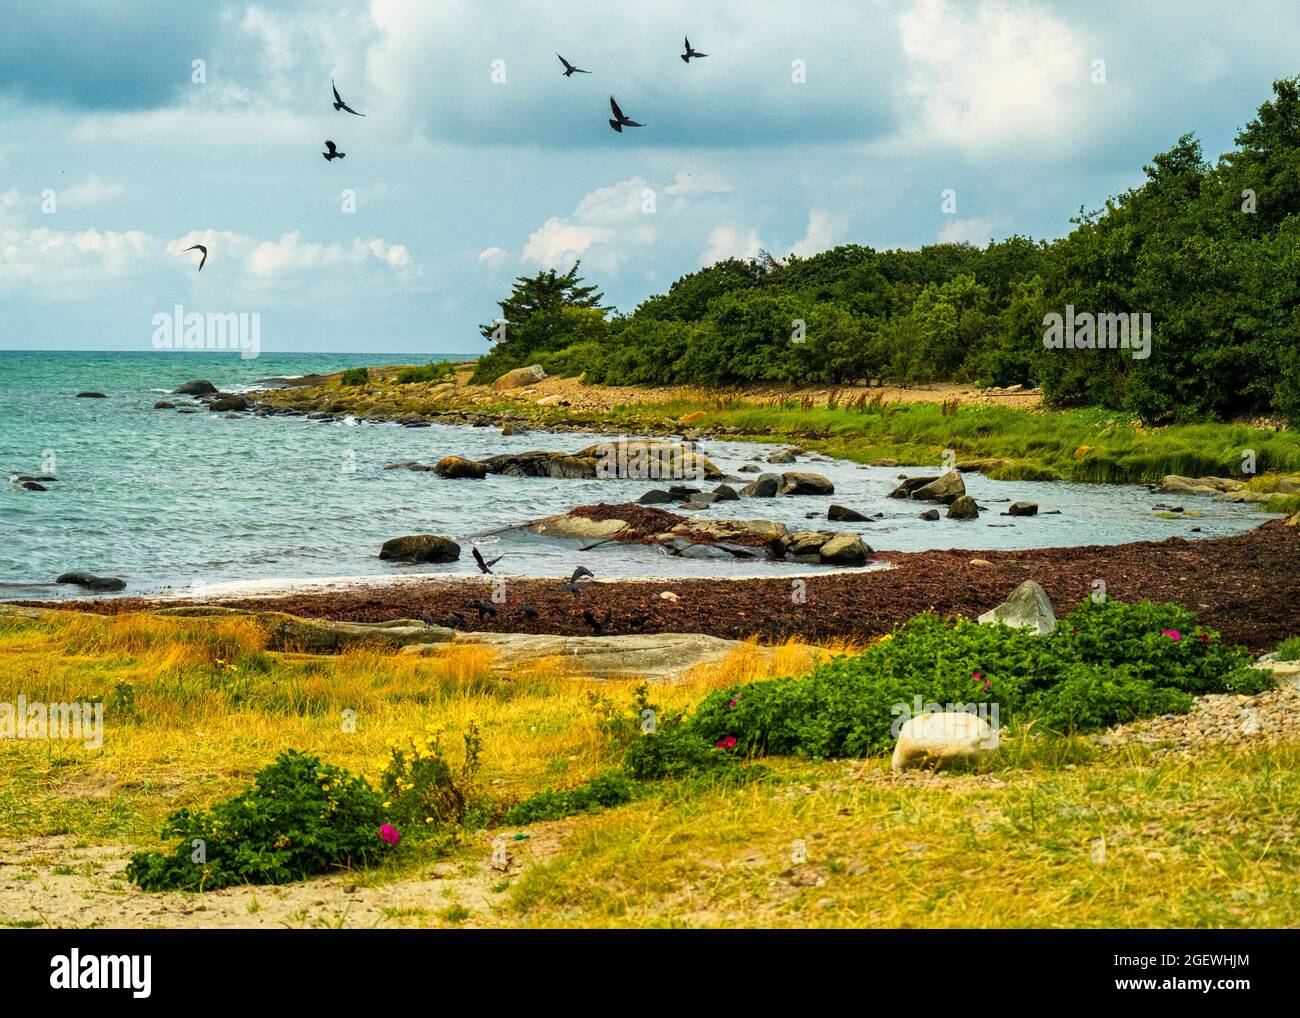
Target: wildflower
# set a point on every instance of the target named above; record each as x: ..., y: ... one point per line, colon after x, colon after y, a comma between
x: 731, y: 703
x: 389, y: 833
x: 1173, y: 634
x: 726, y: 743
x: 1204, y: 638
x: 388, y: 805
x: 324, y: 788
x: 428, y: 820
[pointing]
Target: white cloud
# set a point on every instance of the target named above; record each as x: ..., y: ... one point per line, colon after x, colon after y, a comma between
x: 492, y: 256
x: 90, y: 193
x: 823, y: 231
x: 984, y: 77
x: 687, y: 182
x: 606, y: 228
x: 971, y: 231
x: 730, y: 242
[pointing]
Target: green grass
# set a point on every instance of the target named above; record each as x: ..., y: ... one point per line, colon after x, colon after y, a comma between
x: 1289, y: 650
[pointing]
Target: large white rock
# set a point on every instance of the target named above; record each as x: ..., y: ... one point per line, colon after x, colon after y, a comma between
x: 937, y: 739
x: 1028, y: 607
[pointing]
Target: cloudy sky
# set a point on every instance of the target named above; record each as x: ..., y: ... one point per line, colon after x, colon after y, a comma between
x: 809, y: 124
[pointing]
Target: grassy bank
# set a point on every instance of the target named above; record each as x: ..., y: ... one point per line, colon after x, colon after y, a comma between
x: 1049, y: 831
x: 1085, y: 445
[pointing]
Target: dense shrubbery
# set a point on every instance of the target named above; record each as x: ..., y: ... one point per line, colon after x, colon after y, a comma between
x: 1105, y: 663
x: 1221, y: 283
x: 300, y: 817
x: 355, y: 376
x: 434, y: 371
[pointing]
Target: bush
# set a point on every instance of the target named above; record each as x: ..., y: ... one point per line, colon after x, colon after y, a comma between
x: 1289, y: 650
x: 434, y: 371
x: 1085, y: 698
x: 355, y: 376
x: 613, y: 788
x: 421, y: 789
x: 299, y: 818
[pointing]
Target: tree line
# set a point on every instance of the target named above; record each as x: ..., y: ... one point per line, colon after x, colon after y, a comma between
x: 1210, y: 251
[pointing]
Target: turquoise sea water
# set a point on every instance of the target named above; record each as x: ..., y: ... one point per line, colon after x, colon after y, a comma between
x: 186, y: 503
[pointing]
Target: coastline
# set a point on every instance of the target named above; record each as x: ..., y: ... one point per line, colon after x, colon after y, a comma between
x: 1247, y: 587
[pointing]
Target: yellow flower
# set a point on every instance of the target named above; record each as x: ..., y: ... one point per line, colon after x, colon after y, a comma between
x: 324, y: 788
x: 387, y: 805
x: 428, y: 820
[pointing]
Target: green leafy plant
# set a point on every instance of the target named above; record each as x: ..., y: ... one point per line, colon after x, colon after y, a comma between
x: 300, y: 817
x: 613, y: 788
x: 421, y: 788
x: 434, y: 371
x: 355, y: 376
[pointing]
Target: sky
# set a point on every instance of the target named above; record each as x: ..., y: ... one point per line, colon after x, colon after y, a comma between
x: 132, y: 129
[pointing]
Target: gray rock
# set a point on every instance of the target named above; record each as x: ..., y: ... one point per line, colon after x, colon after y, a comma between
x: 420, y: 548
x: 1022, y: 509
x: 453, y: 467
x: 843, y: 514
x: 726, y: 493
x: 91, y: 395
x: 162, y: 404
x: 519, y: 377
x: 802, y: 482
x: 930, y: 514
x: 781, y: 456
x: 1028, y: 607
x: 750, y: 468
x: 909, y: 485
x: 945, y: 489
x: 196, y: 388
x: 845, y: 549
x: 765, y: 486
x: 92, y: 582
x: 963, y: 508
x: 655, y: 496
x: 227, y: 403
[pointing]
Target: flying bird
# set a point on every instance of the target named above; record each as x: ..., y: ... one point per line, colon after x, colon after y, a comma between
x: 333, y: 152
x: 200, y: 247
x: 601, y: 626
x: 620, y: 121
x: 485, y: 567
x: 686, y: 57
x: 339, y: 104
x: 569, y: 69
x: 579, y: 573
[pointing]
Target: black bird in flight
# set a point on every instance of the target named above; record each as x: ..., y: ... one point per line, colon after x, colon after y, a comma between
x: 530, y: 612
x: 579, y: 573
x: 485, y: 608
x: 569, y: 69
x: 333, y: 152
x: 203, y: 260
x: 686, y: 57
x: 601, y: 626
x: 485, y: 567
x: 339, y: 104
x: 619, y: 121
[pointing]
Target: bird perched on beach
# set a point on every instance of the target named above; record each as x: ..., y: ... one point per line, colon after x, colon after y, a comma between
x: 485, y: 567
x: 427, y: 619
x: 601, y: 626
x: 456, y: 620
x: 530, y: 612
x: 569, y: 69
x: 686, y: 57
x: 571, y: 588
x: 199, y: 247
x: 333, y: 152
x: 620, y: 121
x: 485, y: 608
x: 637, y: 623
x: 339, y: 104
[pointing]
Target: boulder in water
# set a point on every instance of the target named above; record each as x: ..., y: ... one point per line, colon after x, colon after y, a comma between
x: 420, y: 548
x: 456, y: 467
x: 802, y: 482
x: 92, y: 582
x: 963, y: 508
x: 91, y: 395
x: 843, y: 514
x: 196, y: 388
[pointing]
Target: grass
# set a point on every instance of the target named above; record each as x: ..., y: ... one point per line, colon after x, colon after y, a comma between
x: 1084, y: 445
x: 1206, y: 840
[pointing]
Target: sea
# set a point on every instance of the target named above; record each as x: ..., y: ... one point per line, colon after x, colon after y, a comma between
x: 203, y: 504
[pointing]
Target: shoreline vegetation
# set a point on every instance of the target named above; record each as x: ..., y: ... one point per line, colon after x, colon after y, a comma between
x: 1007, y: 433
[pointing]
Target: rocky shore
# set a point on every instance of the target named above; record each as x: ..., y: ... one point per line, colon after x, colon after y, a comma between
x: 1248, y: 587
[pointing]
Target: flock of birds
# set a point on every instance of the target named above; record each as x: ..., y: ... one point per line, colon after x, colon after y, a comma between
x: 617, y: 122
x: 573, y: 585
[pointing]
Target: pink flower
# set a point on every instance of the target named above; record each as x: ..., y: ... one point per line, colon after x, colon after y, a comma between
x: 726, y: 743
x: 731, y: 703
x: 389, y: 833
x: 1205, y: 638
x: 1173, y: 634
